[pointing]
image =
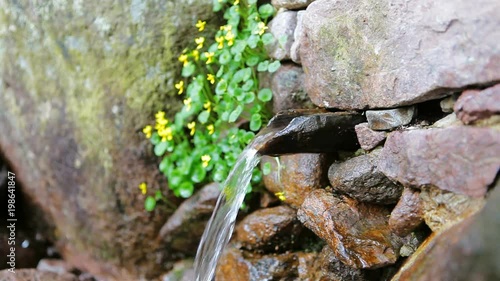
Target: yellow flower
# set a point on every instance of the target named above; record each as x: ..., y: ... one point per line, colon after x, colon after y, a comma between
x: 184, y: 59
x: 220, y: 40
x: 211, y: 78
x: 165, y: 134
x: 192, y: 127
x: 209, y: 56
x: 201, y: 25
x: 205, y: 160
x: 199, y: 41
x: 230, y: 38
x: 187, y: 103
x: 210, y: 129
x: 196, y: 55
x: 262, y: 28
x: 143, y: 187
x: 226, y: 27
x: 160, y: 115
x: 180, y: 86
x: 236, y: 2
x: 280, y: 195
x: 207, y: 106
x: 147, y: 131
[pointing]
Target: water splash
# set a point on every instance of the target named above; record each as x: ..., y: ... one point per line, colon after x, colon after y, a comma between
x: 221, y: 224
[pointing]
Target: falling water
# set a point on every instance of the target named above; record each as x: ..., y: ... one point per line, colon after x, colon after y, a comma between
x: 221, y: 224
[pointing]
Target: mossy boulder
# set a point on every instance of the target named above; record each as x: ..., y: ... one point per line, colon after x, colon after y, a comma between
x: 78, y: 81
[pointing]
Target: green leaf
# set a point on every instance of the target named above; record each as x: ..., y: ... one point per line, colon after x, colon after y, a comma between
x: 250, y: 2
x: 235, y: 114
x: 256, y: 109
x: 274, y: 66
x: 224, y: 116
x: 221, y: 87
x: 255, y: 122
x: 248, y: 137
x: 252, y: 61
x: 160, y: 148
x: 158, y: 195
x: 248, y: 85
x: 149, y: 203
x: 188, y: 69
x: 175, y: 179
x: 265, y: 95
x: 238, y: 76
x: 266, y: 10
x: 203, y: 117
x: 225, y: 57
x: 238, y: 47
x: 186, y: 189
x: 249, y: 97
x: 220, y: 72
x: 198, y: 174
x: 247, y: 73
x: 237, y: 57
x: 220, y: 175
x: 217, y: 6
x: 266, y: 168
x: 165, y: 163
x: 267, y: 38
x: 253, y: 40
x: 263, y: 65
x: 155, y: 138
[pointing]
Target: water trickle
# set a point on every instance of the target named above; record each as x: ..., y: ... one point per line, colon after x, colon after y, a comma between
x: 221, y: 224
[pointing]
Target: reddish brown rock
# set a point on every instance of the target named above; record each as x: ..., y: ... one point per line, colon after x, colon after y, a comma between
x: 33, y: 274
x: 184, y: 228
x: 383, y: 54
x: 368, y: 138
x: 327, y: 267
x: 296, y: 175
x: 269, y: 229
x: 282, y: 27
x: 360, y: 178
x: 237, y: 265
x: 441, y: 209
x: 287, y: 85
x: 475, y: 105
x: 408, y: 213
x: 459, y: 159
x: 358, y: 233
x: 466, y: 251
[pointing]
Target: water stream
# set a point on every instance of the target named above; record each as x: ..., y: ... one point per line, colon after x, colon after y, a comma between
x: 221, y: 224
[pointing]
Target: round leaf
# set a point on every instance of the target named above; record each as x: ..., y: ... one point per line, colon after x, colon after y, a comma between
x: 265, y: 95
x: 160, y: 148
x: 186, y: 189
x: 188, y: 69
x: 267, y: 38
x: 263, y: 66
x: 203, y: 117
x: 149, y: 203
x: 266, y: 10
x: 235, y: 114
x: 274, y: 66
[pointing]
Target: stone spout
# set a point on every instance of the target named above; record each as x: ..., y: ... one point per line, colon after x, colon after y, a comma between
x: 310, y: 131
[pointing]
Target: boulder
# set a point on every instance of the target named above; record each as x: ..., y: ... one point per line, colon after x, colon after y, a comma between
x: 282, y: 27
x: 363, y: 54
x: 358, y: 233
x: 463, y: 160
x: 79, y: 81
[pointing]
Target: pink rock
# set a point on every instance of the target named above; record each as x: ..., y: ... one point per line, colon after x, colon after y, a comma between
x: 475, y: 105
x: 368, y: 138
x: 408, y: 213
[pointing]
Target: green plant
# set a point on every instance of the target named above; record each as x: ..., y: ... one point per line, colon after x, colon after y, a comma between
x: 221, y: 89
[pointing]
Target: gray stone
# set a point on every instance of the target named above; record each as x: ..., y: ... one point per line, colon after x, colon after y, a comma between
x: 360, y: 178
x: 328, y: 267
x: 368, y: 138
x: 282, y: 27
x: 408, y: 213
x: 54, y: 265
x: 298, y: 37
x: 358, y: 233
x: 448, y: 103
x: 460, y: 159
x: 447, y: 121
x: 291, y: 4
x: 287, y: 84
x: 184, y: 228
x: 475, y: 105
x: 364, y: 54
x: 390, y: 118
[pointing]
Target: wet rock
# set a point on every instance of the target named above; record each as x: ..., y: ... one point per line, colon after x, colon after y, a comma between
x: 408, y: 213
x: 311, y: 131
x: 411, y: 242
x: 448, y: 103
x: 184, y: 228
x: 360, y: 178
x: 235, y: 265
x: 268, y: 199
x: 269, y: 229
x: 358, y: 233
x: 363, y: 54
x: 291, y: 4
x: 441, y: 209
x: 297, y: 39
x: 475, y: 105
x: 327, y: 267
x: 287, y: 84
x: 33, y: 274
x: 390, y: 118
x: 182, y: 271
x: 295, y: 175
x: 305, y: 268
x: 54, y: 265
x: 368, y: 138
x: 282, y: 27
x: 459, y: 159
x: 466, y: 251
